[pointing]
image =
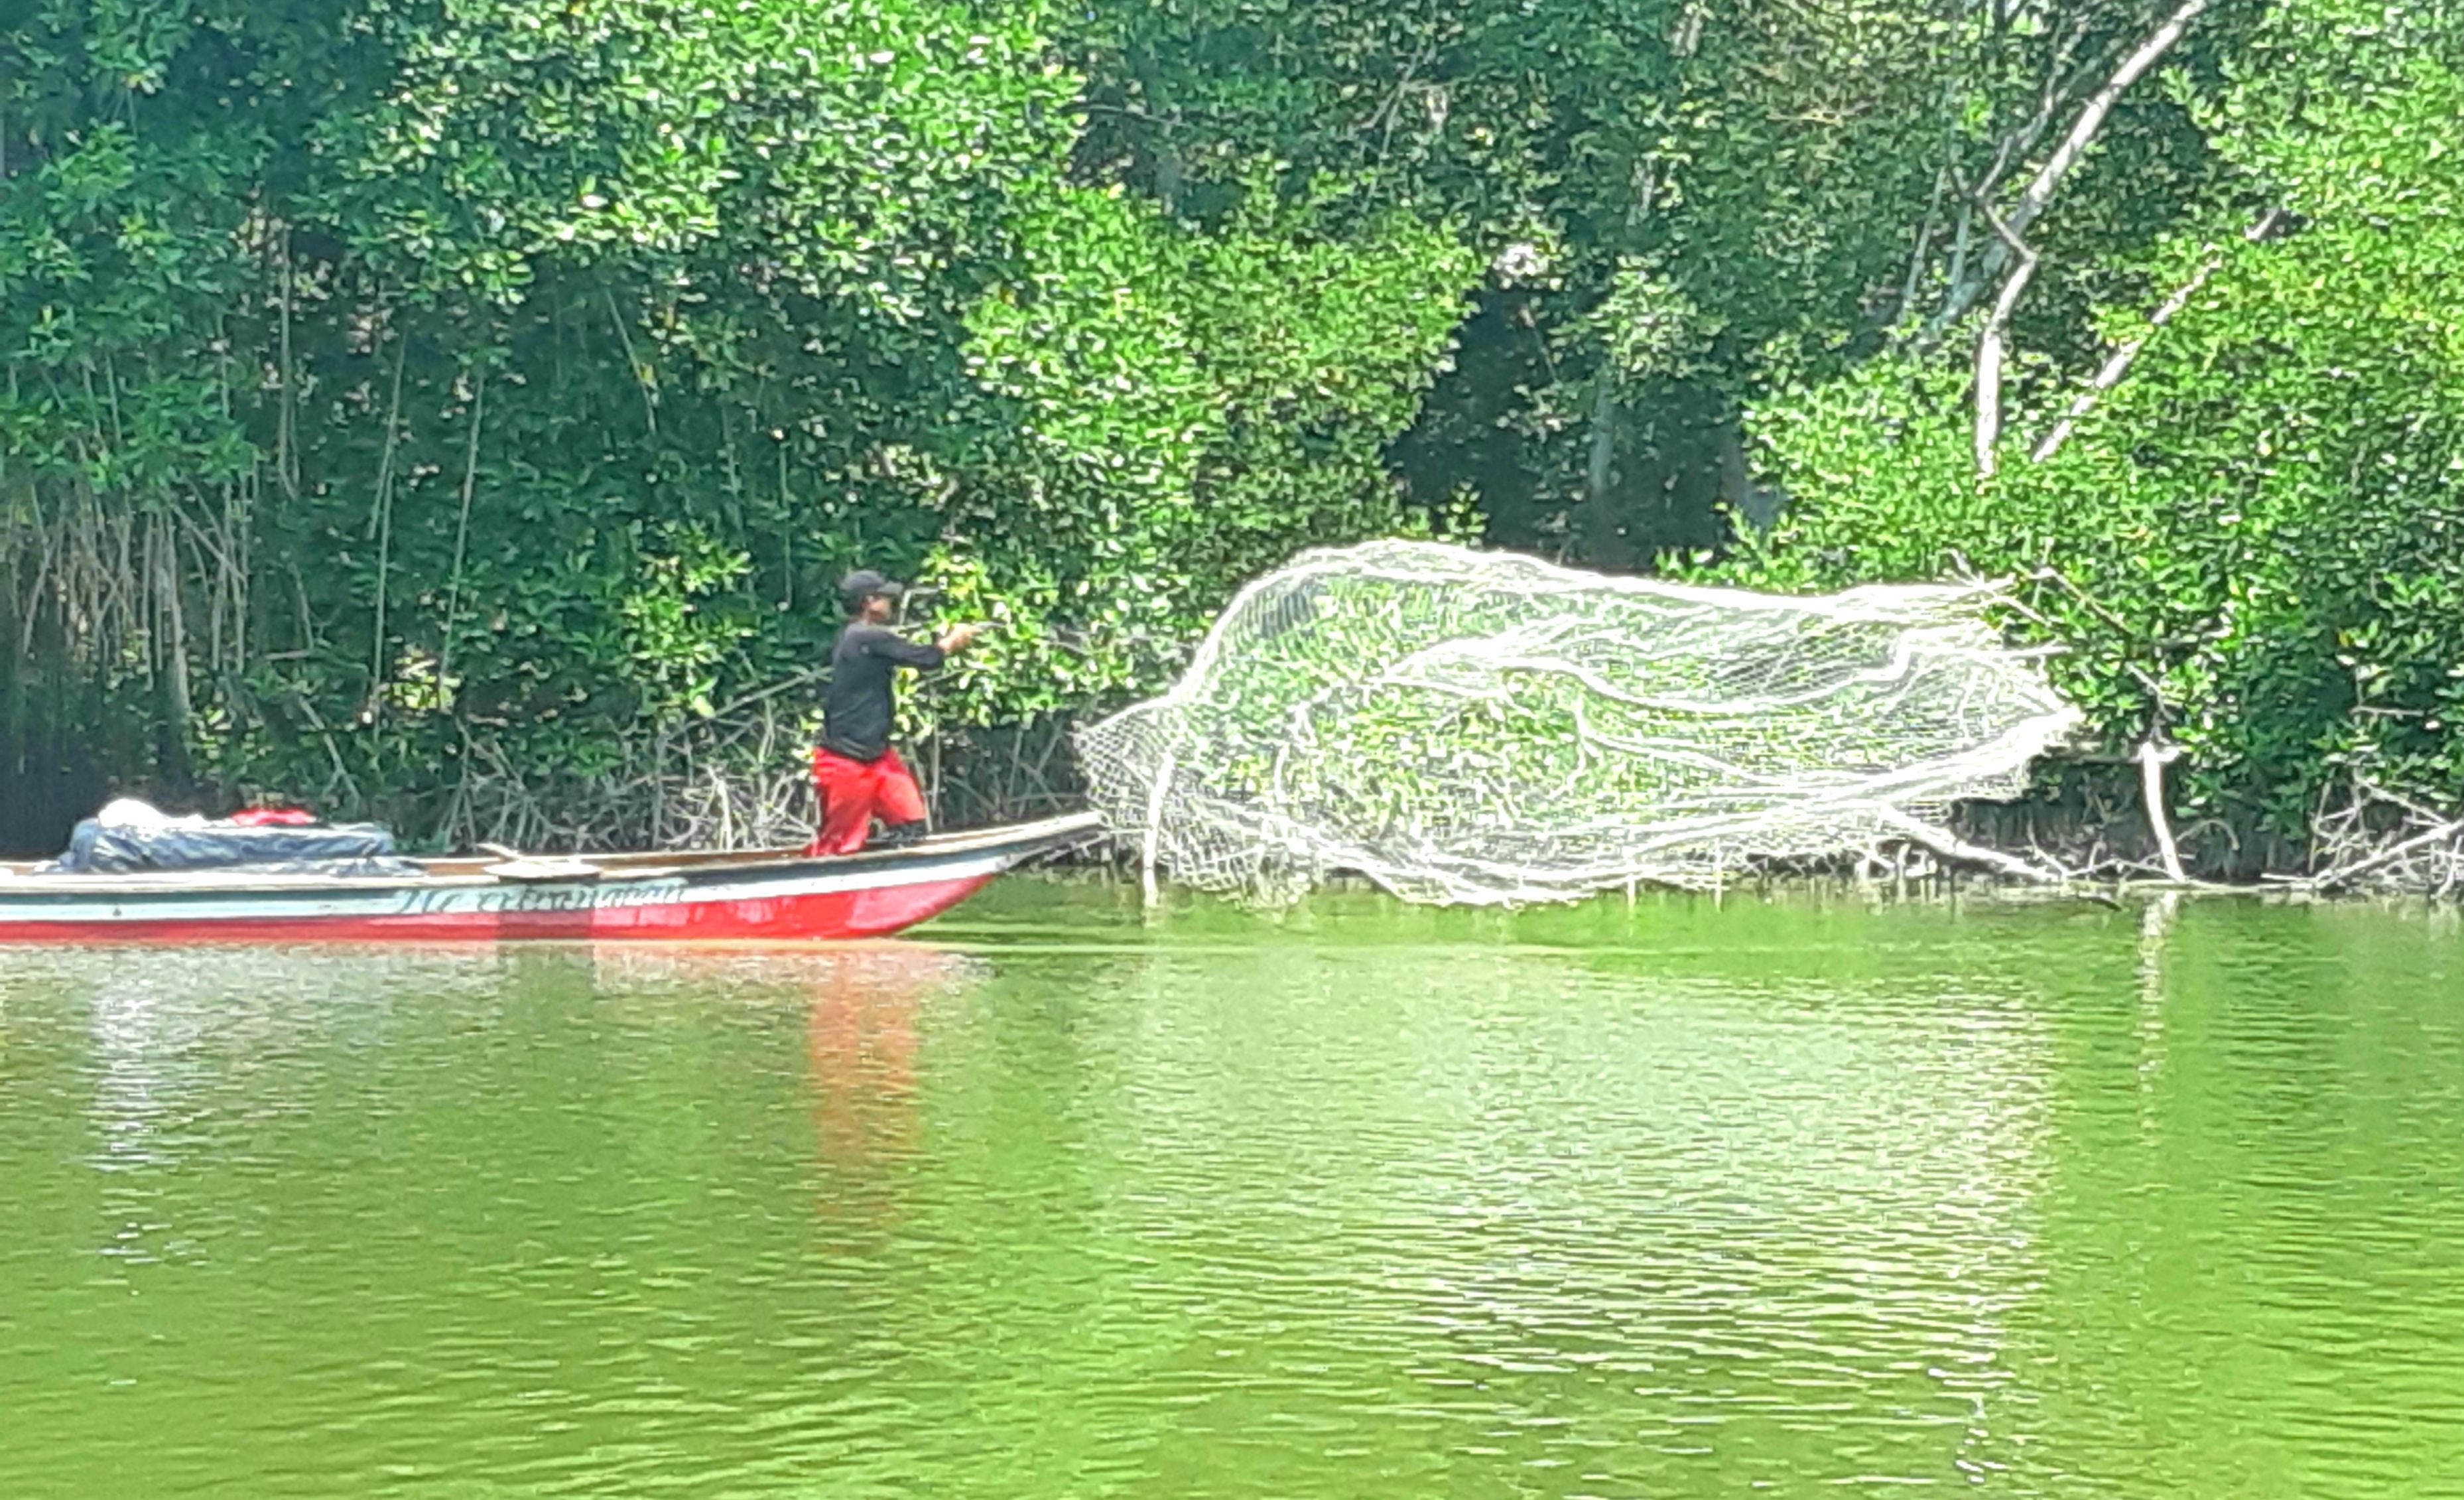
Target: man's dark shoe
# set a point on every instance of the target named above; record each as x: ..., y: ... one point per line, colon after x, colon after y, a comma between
x: 899, y: 835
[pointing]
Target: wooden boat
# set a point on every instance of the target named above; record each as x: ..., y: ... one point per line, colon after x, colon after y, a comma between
x: 764, y: 894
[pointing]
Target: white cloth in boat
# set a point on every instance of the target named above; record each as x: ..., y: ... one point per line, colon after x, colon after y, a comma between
x: 127, y: 812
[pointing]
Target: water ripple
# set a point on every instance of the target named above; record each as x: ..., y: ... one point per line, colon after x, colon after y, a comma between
x: 1795, y: 1197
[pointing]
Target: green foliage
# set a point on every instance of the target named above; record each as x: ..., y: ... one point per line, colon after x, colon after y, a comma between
x: 396, y: 394
x: 2255, y: 543
x: 676, y: 636
x: 1685, y: 207
x: 1191, y: 407
x: 414, y: 389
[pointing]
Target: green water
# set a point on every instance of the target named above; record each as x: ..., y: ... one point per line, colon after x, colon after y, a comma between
x: 1694, y: 1200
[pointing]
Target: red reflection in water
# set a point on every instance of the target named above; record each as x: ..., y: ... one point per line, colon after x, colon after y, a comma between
x: 862, y: 1005
x: 861, y: 1035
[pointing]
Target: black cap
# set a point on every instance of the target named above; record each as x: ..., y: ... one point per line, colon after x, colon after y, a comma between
x: 865, y: 583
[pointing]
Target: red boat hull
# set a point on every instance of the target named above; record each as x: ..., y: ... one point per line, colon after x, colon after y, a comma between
x: 701, y: 899
x: 851, y: 915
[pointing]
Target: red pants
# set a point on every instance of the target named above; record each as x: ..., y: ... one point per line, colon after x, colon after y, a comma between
x: 853, y: 793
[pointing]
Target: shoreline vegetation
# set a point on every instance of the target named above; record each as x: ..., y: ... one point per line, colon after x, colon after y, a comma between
x: 457, y: 417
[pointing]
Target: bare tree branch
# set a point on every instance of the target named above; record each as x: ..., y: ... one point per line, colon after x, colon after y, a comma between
x: 2040, y: 191
x: 2091, y: 118
x: 1960, y: 288
x: 2119, y: 363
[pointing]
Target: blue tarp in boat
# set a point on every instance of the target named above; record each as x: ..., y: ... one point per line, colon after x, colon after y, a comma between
x: 345, y: 848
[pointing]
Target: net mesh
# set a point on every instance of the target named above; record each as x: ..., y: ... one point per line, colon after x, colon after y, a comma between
x: 1487, y: 728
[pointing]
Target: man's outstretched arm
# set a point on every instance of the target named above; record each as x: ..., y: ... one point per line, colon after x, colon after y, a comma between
x: 919, y: 655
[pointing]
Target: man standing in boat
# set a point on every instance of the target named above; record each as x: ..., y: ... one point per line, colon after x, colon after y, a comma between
x: 857, y: 777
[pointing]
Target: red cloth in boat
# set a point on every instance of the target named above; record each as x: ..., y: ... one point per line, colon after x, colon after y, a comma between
x: 273, y: 818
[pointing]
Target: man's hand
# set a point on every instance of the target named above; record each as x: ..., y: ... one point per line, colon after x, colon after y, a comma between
x: 957, y: 638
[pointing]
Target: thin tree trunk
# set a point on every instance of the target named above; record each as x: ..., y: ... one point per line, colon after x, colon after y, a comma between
x: 462, y: 535
x: 286, y: 435
x: 382, y: 525
x: 643, y: 375
x: 172, y: 657
x: 1989, y: 352
x: 2151, y: 790
x: 1599, y: 468
x: 1924, y: 248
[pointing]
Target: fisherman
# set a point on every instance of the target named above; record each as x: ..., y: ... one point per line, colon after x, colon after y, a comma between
x: 857, y: 777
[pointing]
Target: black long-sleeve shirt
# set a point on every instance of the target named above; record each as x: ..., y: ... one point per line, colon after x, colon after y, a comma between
x: 859, y: 709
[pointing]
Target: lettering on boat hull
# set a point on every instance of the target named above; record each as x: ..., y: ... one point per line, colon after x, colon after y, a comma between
x: 537, y: 899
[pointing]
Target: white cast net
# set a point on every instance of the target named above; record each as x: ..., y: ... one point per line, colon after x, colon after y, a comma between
x: 1480, y: 727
